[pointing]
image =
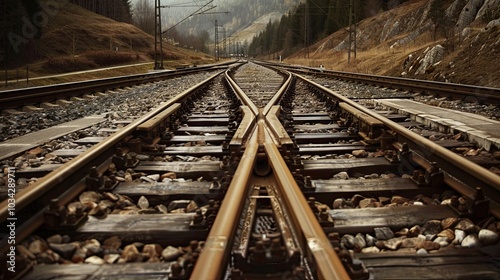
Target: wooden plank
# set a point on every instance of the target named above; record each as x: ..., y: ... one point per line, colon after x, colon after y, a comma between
x: 90, y: 140
x: 463, y: 263
x: 302, y: 138
x: 326, y: 168
x: 68, y: 152
x: 196, y: 138
x: 199, y: 150
x: 159, y: 228
x: 209, y: 112
x: 316, y: 114
x: 372, y: 185
x: 126, y: 271
x: 163, y: 188
x: 208, y: 121
x: 316, y: 127
x: 204, y: 129
x: 312, y: 119
x: 318, y: 149
x: 40, y: 171
x: 328, y: 190
x: 209, y: 115
x: 207, y: 169
x: 365, y: 219
x: 457, y: 271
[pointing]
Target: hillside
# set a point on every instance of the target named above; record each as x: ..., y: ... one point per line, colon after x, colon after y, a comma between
x: 464, y: 47
x: 76, y: 39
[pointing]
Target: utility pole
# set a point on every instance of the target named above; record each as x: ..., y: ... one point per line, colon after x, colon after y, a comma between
x: 158, y: 37
x: 352, y: 32
x: 225, y: 42
x: 306, y: 43
x: 216, y: 41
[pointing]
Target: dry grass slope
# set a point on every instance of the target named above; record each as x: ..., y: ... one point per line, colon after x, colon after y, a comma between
x: 76, y: 39
x: 474, y: 59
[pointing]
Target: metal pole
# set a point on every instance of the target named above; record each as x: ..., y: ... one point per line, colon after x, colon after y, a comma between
x: 216, y: 41
x: 350, y: 34
x: 5, y: 45
x: 158, y: 39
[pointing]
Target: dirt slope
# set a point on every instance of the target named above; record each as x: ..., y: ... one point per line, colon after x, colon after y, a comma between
x: 397, y: 42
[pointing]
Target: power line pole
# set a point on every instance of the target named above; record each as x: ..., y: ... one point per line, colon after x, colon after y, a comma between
x: 306, y: 41
x: 158, y: 37
x: 352, y: 32
x: 216, y: 41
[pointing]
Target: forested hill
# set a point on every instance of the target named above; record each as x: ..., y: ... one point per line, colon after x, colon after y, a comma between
x: 312, y: 21
x: 119, y: 10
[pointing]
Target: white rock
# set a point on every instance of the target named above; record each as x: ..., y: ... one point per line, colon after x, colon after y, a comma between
x: 471, y: 241
x: 94, y: 260
x: 170, y: 253
x: 442, y: 240
x: 371, y: 249
x: 422, y: 251
x: 341, y: 176
x: 155, y: 177
x: 143, y: 203
x: 459, y: 236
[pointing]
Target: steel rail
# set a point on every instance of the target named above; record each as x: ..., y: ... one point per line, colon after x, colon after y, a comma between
x: 483, y: 95
x: 212, y: 262
x: 68, y: 172
x: 328, y: 263
x: 241, y: 95
x: 278, y: 94
x: 24, y: 96
x: 465, y: 171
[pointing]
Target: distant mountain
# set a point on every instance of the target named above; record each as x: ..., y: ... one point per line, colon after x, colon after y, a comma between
x: 233, y: 15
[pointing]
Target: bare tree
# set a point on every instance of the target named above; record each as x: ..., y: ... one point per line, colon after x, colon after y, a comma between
x: 144, y: 16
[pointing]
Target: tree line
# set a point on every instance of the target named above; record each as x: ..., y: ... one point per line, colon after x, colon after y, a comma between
x: 119, y: 10
x: 311, y: 21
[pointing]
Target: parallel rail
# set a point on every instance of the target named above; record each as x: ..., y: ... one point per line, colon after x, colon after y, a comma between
x: 469, y: 93
x: 464, y: 171
x: 35, y: 95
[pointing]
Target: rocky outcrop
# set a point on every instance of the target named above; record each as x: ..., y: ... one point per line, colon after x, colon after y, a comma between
x: 468, y: 14
x: 489, y: 7
x: 433, y: 56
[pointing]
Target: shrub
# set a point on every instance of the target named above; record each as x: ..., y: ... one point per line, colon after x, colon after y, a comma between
x: 68, y: 64
x: 108, y: 58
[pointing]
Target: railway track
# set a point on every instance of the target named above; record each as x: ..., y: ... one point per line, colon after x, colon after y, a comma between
x: 33, y: 96
x: 261, y: 176
x: 468, y: 93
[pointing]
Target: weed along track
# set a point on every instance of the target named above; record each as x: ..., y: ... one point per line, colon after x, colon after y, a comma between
x: 258, y: 173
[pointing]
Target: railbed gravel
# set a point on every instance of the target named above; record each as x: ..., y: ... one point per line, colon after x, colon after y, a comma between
x: 355, y: 90
x: 123, y: 104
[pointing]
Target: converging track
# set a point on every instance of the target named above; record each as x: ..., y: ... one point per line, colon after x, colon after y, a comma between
x: 256, y: 173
